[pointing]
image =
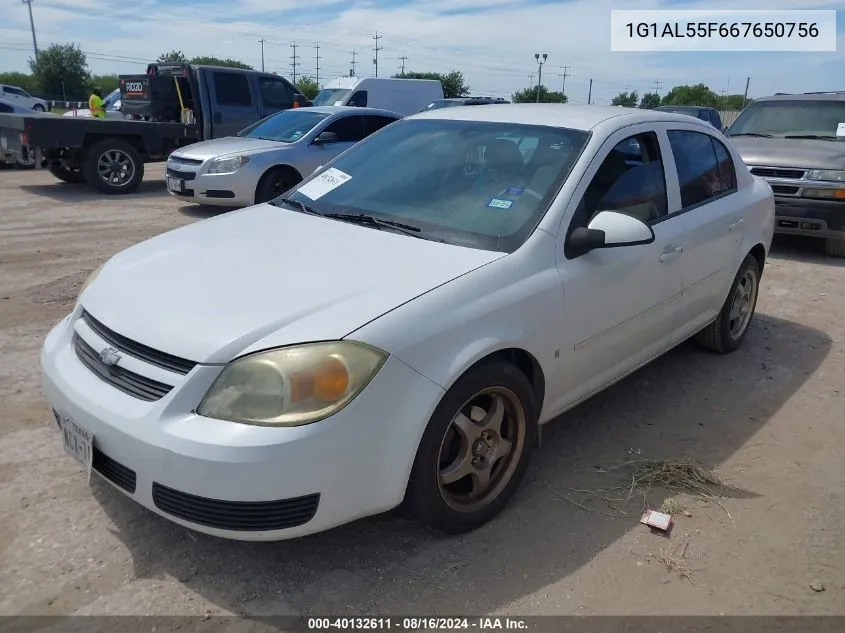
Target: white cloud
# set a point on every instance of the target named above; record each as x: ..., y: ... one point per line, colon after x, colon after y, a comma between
x: 494, y: 48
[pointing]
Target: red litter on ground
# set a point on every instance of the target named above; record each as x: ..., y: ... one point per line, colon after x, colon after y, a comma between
x: 657, y: 520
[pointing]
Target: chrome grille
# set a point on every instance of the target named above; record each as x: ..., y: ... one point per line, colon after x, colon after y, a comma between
x: 147, y: 354
x: 778, y: 172
x: 126, y: 381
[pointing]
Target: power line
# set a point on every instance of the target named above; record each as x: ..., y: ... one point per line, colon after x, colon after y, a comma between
x: 376, y: 49
x: 317, y: 49
x: 403, y: 58
x: 294, y: 63
x: 28, y: 3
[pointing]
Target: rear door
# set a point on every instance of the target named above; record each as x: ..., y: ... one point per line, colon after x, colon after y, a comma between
x: 275, y: 94
x: 233, y: 103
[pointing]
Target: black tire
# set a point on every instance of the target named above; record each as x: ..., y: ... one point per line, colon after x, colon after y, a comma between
x: 38, y: 107
x: 121, y: 165
x: 719, y: 336
x: 427, y: 498
x: 67, y: 174
x: 834, y: 247
x: 24, y: 165
x: 274, y: 183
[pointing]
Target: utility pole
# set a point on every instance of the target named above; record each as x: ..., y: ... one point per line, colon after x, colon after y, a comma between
x: 352, y: 70
x: 317, y: 49
x: 262, y: 54
x: 294, y: 63
x: 376, y: 49
x: 32, y: 26
x: 531, y: 79
x: 590, y: 94
x: 403, y: 58
x: 564, y: 75
x: 540, y: 71
x: 657, y: 85
x: 745, y: 95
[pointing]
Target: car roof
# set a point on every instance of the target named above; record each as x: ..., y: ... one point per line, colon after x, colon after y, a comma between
x: 577, y: 117
x: 347, y: 109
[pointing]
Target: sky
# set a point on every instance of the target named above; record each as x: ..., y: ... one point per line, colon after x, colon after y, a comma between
x: 493, y: 42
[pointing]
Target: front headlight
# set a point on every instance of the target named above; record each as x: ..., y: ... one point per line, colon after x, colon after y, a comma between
x: 227, y: 165
x: 292, y: 386
x: 831, y: 175
x: 94, y: 274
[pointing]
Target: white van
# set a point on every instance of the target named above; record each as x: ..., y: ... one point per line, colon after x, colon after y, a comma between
x: 403, y: 96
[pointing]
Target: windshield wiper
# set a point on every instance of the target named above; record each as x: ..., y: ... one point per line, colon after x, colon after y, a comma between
x: 825, y: 137
x: 297, y: 204
x: 760, y: 134
x: 371, y: 220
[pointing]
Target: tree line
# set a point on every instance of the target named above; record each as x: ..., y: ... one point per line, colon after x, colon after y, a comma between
x: 61, y: 72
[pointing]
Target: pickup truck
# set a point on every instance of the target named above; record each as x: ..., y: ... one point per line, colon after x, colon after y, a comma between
x: 171, y: 106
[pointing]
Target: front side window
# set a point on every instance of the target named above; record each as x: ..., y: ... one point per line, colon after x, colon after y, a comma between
x: 349, y: 129
x: 286, y: 126
x: 359, y: 99
x: 700, y: 175
x: 275, y: 93
x: 790, y: 118
x: 462, y: 182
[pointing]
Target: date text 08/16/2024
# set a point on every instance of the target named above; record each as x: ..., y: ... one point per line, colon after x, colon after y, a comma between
x: 723, y: 29
x: 419, y: 623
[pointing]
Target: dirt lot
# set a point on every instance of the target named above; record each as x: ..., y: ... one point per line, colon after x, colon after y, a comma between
x: 770, y: 417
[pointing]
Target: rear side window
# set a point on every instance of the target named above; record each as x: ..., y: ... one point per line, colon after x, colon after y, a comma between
x: 5, y: 108
x: 232, y: 89
x: 702, y: 174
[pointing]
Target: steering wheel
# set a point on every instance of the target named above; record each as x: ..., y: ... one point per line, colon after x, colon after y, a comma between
x: 525, y: 190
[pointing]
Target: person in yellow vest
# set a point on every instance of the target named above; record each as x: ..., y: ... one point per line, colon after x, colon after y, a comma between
x: 96, y: 105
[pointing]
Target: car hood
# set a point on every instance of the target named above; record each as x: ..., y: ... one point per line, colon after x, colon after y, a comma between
x: 209, y: 291
x: 227, y: 145
x: 785, y: 152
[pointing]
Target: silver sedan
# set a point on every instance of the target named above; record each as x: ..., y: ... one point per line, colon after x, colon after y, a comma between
x: 267, y: 158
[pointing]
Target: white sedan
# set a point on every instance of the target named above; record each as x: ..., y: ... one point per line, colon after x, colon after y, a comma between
x: 397, y: 328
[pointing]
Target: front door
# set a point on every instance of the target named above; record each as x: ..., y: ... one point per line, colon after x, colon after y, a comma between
x: 619, y: 304
x: 275, y: 94
x: 349, y: 130
x: 234, y: 106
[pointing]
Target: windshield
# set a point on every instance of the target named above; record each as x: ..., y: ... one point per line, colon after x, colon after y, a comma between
x: 330, y: 96
x: 286, y: 126
x: 468, y: 183
x: 112, y: 99
x: 790, y: 118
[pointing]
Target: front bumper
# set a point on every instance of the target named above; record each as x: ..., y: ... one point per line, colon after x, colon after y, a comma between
x: 813, y: 218
x: 222, y: 190
x: 239, y: 481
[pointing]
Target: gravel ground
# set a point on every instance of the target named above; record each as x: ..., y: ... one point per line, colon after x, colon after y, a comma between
x: 770, y: 417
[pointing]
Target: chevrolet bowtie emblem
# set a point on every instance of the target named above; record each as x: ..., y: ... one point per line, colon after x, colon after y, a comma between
x: 110, y: 356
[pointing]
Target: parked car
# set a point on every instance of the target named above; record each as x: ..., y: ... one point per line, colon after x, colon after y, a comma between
x: 791, y: 142
x: 269, y: 157
x: 20, y: 97
x: 396, y: 328
x: 171, y: 106
x: 710, y: 115
x: 111, y: 102
x: 405, y: 96
x: 451, y: 102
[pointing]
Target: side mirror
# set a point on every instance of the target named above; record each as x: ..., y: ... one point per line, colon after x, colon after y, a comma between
x: 610, y: 229
x: 324, y: 138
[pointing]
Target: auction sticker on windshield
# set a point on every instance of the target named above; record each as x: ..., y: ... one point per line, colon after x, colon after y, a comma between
x: 327, y: 181
x: 498, y: 203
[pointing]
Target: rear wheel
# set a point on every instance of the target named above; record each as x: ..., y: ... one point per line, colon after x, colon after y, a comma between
x: 834, y: 247
x: 475, y: 449
x: 727, y: 332
x: 113, y: 167
x: 274, y: 183
x: 72, y: 175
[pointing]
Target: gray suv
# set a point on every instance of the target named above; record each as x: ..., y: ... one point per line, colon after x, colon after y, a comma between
x: 791, y: 141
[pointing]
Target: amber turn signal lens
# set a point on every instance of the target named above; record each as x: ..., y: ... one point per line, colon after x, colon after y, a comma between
x: 331, y: 380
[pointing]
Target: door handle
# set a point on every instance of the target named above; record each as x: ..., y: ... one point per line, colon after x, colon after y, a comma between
x: 738, y: 221
x: 671, y: 253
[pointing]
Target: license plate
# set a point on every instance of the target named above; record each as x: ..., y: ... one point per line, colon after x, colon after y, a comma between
x: 175, y: 184
x: 78, y: 442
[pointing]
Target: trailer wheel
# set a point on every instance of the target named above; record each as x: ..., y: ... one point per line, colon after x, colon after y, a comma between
x: 72, y: 175
x: 113, y: 167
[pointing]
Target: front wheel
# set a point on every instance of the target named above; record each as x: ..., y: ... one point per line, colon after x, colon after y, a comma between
x: 475, y: 450
x: 274, y: 183
x: 38, y: 107
x: 727, y: 332
x: 113, y: 167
